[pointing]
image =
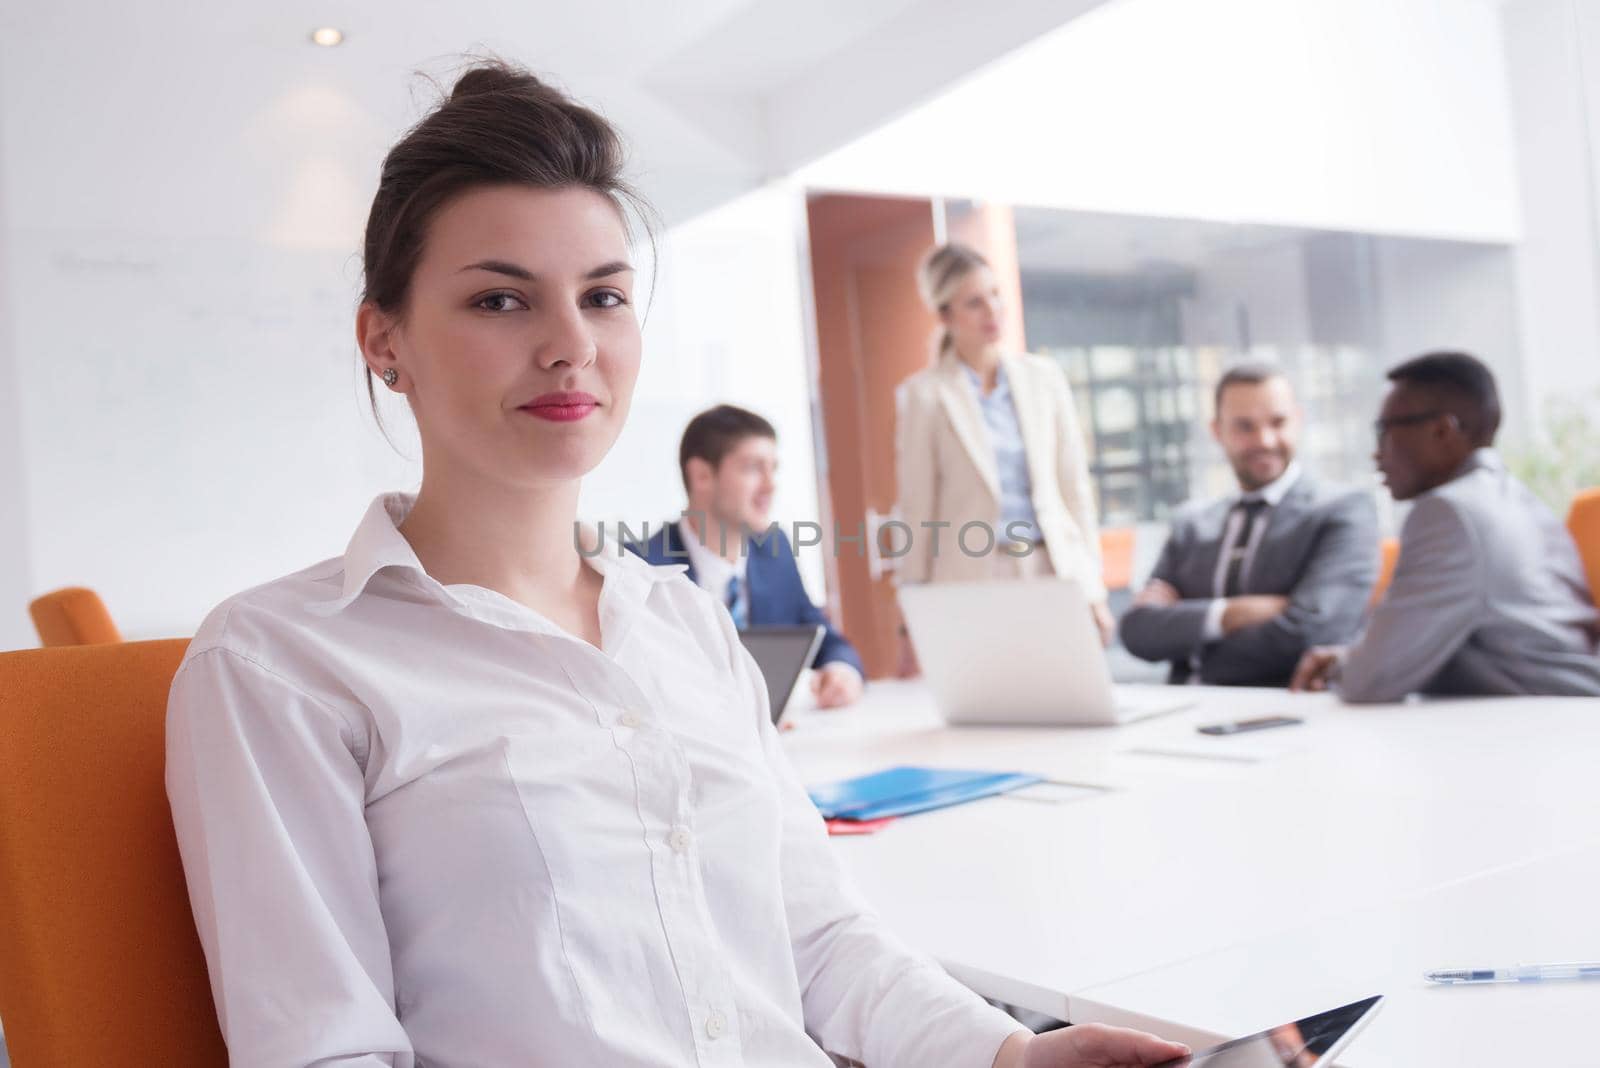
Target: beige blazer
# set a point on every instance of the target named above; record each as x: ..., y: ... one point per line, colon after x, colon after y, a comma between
x: 947, y: 471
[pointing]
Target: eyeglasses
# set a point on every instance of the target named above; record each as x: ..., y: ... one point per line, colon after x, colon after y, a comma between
x: 1383, y: 426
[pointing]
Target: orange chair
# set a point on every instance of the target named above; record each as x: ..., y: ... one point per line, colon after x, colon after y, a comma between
x: 1388, y: 556
x: 99, y: 960
x: 1116, y: 557
x: 1583, y: 520
x: 73, y: 616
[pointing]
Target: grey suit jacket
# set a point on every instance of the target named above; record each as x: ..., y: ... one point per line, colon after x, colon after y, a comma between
x: 1488, y: 597
x: 1320, y: 549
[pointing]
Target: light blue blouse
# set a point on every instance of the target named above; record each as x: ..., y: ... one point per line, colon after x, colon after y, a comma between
x: 1011, y: 458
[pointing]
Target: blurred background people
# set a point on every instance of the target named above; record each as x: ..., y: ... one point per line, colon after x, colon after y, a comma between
x: 729, y: 463
x: 1247, y: 583
x: 988, y: 437
x: 1488, y: 596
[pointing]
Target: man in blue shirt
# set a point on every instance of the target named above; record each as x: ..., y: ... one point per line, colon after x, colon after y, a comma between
x: 728, y: 460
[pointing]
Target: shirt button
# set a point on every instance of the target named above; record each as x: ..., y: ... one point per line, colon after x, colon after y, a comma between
x: 630, y: 720
x: 679, y: 839
x: 716, y: 1025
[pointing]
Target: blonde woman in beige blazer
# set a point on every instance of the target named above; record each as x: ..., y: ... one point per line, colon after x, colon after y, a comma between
x: 991, y: 438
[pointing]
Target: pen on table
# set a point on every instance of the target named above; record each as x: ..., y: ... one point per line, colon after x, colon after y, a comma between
x: 1520, y: 973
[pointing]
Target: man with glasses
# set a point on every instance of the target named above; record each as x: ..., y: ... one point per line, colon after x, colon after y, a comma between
x: 1488, y: 596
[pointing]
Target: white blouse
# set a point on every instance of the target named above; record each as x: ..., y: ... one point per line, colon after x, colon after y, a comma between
x: 423, y: 826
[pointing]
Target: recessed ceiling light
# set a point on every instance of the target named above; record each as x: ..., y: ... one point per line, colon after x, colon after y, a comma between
x: 327, y: 37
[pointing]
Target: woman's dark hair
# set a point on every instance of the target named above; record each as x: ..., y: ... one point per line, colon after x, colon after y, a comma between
x: 500, y: 125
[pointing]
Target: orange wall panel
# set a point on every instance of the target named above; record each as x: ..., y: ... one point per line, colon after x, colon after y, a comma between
x: 873, y: 332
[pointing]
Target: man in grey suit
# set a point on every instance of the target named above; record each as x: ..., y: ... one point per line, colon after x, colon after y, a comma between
x: 1247, y: 583
x: 1488, y: 596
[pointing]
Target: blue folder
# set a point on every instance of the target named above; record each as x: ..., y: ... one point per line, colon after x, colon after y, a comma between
x: 904, y: 790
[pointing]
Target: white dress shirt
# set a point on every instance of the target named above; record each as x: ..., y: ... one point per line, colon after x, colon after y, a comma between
x: 711, y: 570
x: 423, y: 826
x: 1272, y: 495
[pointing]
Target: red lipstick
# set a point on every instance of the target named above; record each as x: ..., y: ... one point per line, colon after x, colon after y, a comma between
x: 562, y: 406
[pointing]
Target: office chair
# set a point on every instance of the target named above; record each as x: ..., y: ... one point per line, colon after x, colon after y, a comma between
x: 72, y: 616
x: 1116, y: 557
x: 99, y: 959
x: 1583, y: 520
x: 1388, y: 556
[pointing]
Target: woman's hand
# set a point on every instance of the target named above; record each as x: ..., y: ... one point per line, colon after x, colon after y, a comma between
x: 1087, y: 1046
x: 1102, y: 619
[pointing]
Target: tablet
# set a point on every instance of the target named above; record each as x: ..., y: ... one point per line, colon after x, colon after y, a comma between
x: 1312, y: 1041
x: 781, y: 653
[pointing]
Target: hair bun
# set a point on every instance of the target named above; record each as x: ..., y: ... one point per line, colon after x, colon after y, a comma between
x: 489, y: 79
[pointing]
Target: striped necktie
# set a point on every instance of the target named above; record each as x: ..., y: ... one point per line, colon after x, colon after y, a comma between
x: 1233, y: 582
x: 736, y: 604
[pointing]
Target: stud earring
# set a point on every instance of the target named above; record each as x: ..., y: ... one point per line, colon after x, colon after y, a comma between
x: 390, y: 376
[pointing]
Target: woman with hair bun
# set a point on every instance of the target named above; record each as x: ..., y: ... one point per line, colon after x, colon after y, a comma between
x: 990, y: 440
x: 471, y: 796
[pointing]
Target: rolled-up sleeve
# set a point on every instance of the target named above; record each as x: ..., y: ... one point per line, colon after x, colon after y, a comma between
x: 865, y: 994
x: 267, y: 796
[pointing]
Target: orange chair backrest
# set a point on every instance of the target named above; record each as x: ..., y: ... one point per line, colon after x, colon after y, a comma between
x: 1584, y: 522
x: 73, y: 616
x: 99, y: 960
x: 1116, y: 557
x: 1388, y: 556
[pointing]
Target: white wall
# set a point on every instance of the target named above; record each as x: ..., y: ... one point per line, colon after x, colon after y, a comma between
x: 1553, y: 55
x: 16, y: 585
x: 1445, y: 297
x: 1385, y: 116
x: 191, y: 415
x: 185, y: 369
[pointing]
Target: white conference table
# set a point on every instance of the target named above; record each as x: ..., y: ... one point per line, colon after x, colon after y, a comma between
x: 1542, y: 910
x: 1220, y: 885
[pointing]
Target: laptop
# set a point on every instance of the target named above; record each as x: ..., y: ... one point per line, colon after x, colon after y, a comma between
x: 782, y: 653
x: 1019, y: 652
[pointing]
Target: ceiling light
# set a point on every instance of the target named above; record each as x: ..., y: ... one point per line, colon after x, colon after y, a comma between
x: 327, y: 37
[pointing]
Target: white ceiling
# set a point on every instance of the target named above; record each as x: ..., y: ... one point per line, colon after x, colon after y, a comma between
x: 1324, y: 114
x: 221, y: 120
